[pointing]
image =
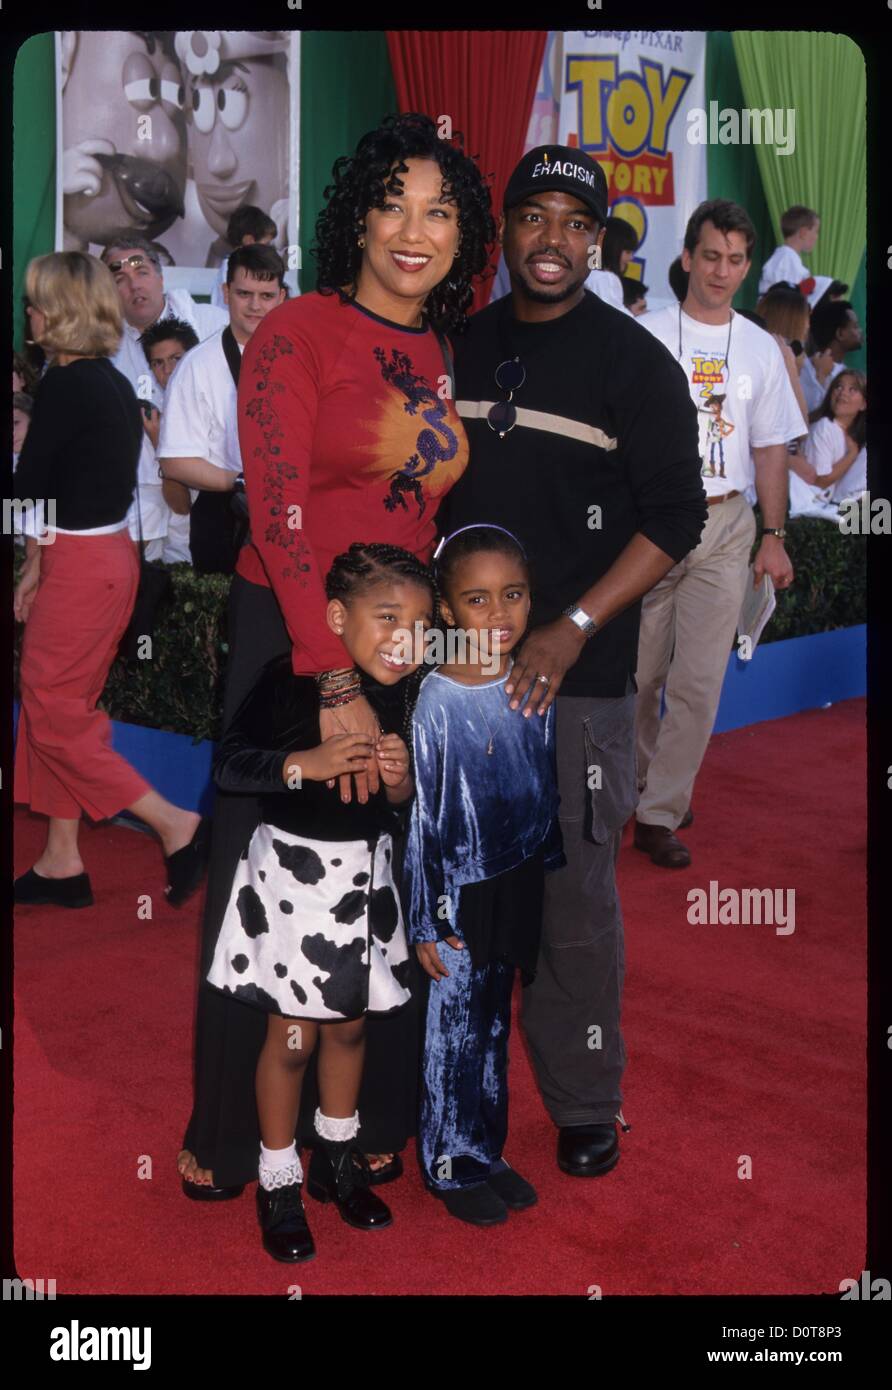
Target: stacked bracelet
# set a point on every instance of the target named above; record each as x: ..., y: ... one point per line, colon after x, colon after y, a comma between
x: 338, y: 687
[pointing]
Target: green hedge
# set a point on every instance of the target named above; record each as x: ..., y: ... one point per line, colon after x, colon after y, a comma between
x: 179, y: 689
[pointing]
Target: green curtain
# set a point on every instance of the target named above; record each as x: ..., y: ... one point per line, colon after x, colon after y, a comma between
x: 731, y: 170
x: 346, y: 86
x: 34, y: 164
x: 807, y: 73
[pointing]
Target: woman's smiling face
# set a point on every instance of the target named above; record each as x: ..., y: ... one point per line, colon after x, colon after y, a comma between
x: 410, y: 242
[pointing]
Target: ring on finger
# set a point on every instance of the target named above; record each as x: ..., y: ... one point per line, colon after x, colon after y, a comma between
x: 546, y: 680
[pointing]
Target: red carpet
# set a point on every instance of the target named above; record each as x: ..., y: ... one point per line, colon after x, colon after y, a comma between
x: 741, y: 1042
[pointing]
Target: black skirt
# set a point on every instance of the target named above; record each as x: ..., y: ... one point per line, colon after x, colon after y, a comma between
x: 501, y: 918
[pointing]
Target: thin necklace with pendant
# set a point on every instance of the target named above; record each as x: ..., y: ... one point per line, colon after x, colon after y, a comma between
x: 492, y: 733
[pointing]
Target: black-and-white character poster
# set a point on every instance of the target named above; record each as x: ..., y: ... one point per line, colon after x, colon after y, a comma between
x: 171, y: 131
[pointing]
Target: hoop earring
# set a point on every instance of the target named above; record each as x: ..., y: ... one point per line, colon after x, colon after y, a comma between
x: 361, y: 243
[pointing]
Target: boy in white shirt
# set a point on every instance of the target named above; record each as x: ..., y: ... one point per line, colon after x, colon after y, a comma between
x: 800, y: 227
x: 199, y: 443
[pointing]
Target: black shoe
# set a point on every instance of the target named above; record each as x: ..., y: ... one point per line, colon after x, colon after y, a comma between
x: 186, y: 867
x: 515, y: 1191
x: 479, y: 1205
x: 199, y: 1192
x: 339, y: 1172
x: 588, y: 1151
x: 286, y: 1235
x: 74, y: 891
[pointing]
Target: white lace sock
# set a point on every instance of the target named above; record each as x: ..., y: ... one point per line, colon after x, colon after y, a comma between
x: 279, y: 1167
x: 328, y: 1127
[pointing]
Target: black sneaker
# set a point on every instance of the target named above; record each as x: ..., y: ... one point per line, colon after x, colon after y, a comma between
x: 479, y: 1205
x: 286, y: 1235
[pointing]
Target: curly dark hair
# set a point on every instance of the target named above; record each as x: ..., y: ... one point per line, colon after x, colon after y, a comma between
x: 472, y: 540
x: 363, y: 180
x: 367, y: 563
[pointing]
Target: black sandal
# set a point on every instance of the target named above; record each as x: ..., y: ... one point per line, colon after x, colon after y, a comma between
x: 186, y: 867
x: 389, y: 1172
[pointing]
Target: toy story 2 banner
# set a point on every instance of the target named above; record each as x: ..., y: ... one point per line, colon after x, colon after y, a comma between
x: 624, y: 96
x: 172, y: 131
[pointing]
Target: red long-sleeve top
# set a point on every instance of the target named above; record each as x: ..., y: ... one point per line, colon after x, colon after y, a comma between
x: 344, y: 437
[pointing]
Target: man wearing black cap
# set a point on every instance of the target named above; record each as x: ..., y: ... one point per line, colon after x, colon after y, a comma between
x: 584, y: 443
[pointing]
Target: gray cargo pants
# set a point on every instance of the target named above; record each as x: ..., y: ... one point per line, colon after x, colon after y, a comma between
x: 571, y: 1010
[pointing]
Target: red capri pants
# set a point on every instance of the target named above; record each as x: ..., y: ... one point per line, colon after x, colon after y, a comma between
x: 64, y: 762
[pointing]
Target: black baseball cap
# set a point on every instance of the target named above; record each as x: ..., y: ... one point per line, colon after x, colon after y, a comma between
x: 562, y: 168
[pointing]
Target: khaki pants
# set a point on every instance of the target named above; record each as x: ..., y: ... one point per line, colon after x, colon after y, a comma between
x: 688, y: 627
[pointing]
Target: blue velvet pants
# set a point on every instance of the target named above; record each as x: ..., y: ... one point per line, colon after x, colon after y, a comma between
x: 463, y: 1119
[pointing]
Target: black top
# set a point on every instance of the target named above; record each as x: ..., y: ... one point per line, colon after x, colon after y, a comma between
x: 592, y: 367
x: 82, y: 446
x: 281, y: 715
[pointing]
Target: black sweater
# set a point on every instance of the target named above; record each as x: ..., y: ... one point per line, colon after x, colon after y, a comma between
x: 281, y: 715
x: 83, y: 443
x: 592, y: 367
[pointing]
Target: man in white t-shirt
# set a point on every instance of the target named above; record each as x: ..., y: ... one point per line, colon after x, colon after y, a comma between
x: 199, y: 431
x: 136, y: 267
x: 835, y: 331
x: 739, y: 383
x: 799, y: 228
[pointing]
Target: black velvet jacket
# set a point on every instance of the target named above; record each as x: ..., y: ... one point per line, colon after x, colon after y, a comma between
x: 281, y: 715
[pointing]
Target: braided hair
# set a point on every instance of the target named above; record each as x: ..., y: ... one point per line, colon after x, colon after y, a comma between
x: 366, y: 563
x: 356, y: 571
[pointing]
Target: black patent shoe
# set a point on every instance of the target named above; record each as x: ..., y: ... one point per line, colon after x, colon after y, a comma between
x: 286, y: 1235
x: 340, y: 1173
x: 203, y: 1192
x: 74, y: 891
x: 186, y: 867
x: 588, y: 1151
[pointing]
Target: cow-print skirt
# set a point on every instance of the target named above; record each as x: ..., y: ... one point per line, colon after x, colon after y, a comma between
x: 313, y: 928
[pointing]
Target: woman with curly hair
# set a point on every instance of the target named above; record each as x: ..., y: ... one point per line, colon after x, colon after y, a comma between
x: 347, y: 430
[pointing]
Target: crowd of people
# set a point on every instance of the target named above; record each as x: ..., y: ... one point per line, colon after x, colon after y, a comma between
x: 393, y: 840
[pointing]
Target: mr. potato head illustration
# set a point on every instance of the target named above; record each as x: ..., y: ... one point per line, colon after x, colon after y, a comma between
x: 237, y: 105
x: 124, y: 159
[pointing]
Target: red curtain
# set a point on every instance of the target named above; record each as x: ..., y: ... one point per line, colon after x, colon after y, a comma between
x: 486, y: 84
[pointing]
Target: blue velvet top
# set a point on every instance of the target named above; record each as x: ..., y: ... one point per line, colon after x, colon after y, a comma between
x: 475, y: 814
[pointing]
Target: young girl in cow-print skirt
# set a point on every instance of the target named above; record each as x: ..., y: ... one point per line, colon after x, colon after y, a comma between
x: 313, y: 932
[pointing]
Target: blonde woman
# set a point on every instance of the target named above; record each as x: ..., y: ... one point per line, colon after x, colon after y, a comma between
x: 78, y: 588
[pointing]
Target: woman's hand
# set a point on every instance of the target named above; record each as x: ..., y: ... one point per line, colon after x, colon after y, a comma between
x: 393, y: 759
x: 26, y: 589
x: 342, y: 753
x: 357, y: 717
x: 429, y: 956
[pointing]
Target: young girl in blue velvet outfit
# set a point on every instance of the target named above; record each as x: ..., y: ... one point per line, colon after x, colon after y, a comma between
x: 483, y: 829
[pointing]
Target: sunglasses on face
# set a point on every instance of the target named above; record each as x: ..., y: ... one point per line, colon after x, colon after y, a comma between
x: 135, y: 262
x: 502, y: 416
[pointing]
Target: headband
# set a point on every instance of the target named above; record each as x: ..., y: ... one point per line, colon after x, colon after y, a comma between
x: 476, y: 526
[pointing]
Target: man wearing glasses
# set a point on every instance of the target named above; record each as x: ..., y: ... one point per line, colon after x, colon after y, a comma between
x: 584, y: 443
x: 134, y: 263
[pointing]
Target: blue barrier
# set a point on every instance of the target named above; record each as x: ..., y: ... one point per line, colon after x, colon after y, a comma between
x: 782, y: 678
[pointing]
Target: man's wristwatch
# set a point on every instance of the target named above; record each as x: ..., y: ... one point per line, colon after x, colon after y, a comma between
x: 778, y: 531
x: 587, y: 626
